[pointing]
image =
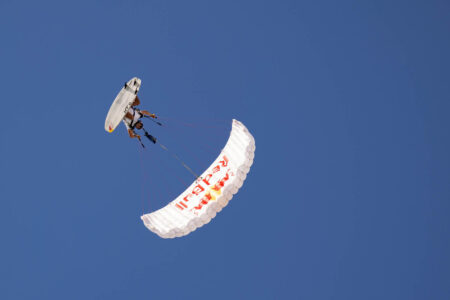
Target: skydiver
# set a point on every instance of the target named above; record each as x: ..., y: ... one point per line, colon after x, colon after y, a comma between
x: 132, y: 120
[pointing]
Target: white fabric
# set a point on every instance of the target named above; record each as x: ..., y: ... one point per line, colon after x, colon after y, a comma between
x: 207, y: 196
x: 122, y: 103
x: 130, y: 123
x: 126, y: 124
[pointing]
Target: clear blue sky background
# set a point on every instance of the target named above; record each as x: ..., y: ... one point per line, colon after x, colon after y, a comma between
x: 349, y: 195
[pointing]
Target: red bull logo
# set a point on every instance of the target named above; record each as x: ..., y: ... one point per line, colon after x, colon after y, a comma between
x: 205, y: 190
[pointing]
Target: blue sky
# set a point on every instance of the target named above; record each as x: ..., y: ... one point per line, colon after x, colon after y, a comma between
x: 349, y: 195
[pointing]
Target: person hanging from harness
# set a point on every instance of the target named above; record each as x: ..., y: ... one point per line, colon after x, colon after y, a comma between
x: 132, y: 120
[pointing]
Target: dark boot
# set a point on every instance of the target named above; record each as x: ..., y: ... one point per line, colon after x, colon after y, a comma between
x: 150, y: 137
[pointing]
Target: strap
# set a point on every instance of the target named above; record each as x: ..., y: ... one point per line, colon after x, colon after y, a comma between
x: 132, y: 120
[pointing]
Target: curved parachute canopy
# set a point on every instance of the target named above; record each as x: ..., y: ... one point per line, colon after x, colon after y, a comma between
x: 122, y: 103
x: 206, y: 196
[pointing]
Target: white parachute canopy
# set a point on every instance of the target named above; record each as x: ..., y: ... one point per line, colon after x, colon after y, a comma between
x: 122, y: 103
x: 206, y: 196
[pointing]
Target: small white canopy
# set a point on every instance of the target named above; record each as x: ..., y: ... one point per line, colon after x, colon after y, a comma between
x: 122, y: 103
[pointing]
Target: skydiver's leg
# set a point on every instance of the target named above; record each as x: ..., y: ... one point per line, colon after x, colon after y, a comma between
x: 136, y: 101
x: 129, y: 116
x: 150, y: 137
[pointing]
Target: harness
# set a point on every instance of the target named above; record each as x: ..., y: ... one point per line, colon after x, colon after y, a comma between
x: 140, y: 116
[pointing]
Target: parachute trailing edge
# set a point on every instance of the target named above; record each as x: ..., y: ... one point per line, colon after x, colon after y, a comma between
x: 211, y: 192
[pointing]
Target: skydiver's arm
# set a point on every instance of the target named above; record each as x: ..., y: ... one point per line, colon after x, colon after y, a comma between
x: 145, y: 112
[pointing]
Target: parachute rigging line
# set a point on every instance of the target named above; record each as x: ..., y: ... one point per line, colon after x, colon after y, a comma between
x: 177, y: 158
x: 139, y: 139
x: 142, y: 177
x: 173, y: 154
x: 159, y: 123
x: 182, y: 128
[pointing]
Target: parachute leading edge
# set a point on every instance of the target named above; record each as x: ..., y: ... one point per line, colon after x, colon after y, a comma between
x: 212, y: 191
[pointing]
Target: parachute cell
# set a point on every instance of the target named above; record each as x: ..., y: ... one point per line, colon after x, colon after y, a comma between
x: 212, y: 191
